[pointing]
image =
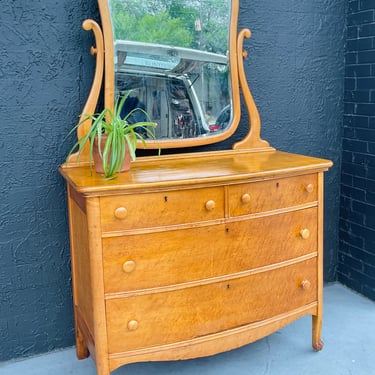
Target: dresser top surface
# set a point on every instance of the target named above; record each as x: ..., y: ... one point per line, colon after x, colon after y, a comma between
x: 192, y: 169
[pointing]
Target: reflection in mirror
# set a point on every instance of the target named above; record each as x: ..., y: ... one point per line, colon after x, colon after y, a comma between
x: 173, y: 56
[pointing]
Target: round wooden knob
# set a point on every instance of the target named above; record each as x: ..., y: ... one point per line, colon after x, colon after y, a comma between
x: 132, y: 325
x: 305, y: 284
x: 210, y: 205
x: 309, y: 188
x: 305, y: 233
x: 128, y: 266
x: 245, y: 198
x: 121, y: 213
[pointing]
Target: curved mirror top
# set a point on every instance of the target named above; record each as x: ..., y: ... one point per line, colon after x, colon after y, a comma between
x: 174, y: 58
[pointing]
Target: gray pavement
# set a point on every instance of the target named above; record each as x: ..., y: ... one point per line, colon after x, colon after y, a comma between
x: 348, y: 334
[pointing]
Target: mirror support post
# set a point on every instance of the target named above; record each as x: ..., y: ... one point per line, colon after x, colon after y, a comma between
x: 252, y: 140
x: 93, y: 97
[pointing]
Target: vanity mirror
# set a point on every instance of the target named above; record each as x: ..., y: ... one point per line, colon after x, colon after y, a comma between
x: 175, y: 59
x: 181, y: 63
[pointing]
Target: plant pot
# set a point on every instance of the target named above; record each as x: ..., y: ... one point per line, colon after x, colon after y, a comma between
x: 98, y: 162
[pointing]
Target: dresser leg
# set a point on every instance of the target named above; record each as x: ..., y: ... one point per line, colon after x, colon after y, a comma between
x: 81, y: 347
x: 102, y: 368
x: 317, y: 342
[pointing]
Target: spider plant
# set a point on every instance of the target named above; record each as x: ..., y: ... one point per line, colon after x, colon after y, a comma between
x: 118, y: 135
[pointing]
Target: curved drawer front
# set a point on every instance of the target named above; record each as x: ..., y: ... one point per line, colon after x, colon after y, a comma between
x: 125, y: 212
x: 157, y: 259
x: 162, y: 318
x: 160, y: 258
x: 272, y: 194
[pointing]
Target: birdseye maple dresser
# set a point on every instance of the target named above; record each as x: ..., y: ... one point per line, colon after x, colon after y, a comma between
x: 190, y: 254
x: 193, y: 255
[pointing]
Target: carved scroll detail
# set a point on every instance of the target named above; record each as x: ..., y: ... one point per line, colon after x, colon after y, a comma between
x: 252, y: 140
x: 92, y: 99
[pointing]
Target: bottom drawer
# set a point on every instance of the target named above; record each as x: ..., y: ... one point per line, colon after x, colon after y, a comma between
x: 166, y: 317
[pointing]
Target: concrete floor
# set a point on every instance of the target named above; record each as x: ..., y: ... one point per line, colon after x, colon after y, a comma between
x: 348, y: 334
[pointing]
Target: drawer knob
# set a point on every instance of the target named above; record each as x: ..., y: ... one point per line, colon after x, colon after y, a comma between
x: 245, y: 198
x: 132, y: 325
x: 309, y: 188
x: 210, y: 205
x: 305, y: 284
x: 121, y: 213
x: 128, y: 266
x: 305, y: 233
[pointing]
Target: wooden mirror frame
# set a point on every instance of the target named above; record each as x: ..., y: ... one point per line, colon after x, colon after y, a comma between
x: 104, y: 52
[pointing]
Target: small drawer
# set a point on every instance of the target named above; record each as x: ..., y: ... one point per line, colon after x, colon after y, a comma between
x: 272, y: 194
x: 149, y: 260
x: 162, y: 318
x: 124, y: 212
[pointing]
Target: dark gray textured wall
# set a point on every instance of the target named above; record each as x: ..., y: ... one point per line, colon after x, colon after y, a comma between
x: 295, y: 69
x: 45, y: 72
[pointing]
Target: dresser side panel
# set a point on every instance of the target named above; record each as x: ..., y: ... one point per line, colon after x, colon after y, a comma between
x: 81, y: 261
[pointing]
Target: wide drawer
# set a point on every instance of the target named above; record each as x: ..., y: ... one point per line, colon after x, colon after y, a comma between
x: 168, y: 317
x: 155, y: 259
x: 125, y: 212
x: 274, y: 194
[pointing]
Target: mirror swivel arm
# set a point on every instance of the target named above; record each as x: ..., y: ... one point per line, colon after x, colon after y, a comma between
x: 93, y: 97
x: 252, y: 139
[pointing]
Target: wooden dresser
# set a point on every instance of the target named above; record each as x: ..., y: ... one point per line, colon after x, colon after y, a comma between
x: 191, y: 255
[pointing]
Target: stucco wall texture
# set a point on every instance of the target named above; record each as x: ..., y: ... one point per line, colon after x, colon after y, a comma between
x: 295, y: 70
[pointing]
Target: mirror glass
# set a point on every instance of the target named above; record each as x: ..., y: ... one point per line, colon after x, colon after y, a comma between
x: 173, y: 56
